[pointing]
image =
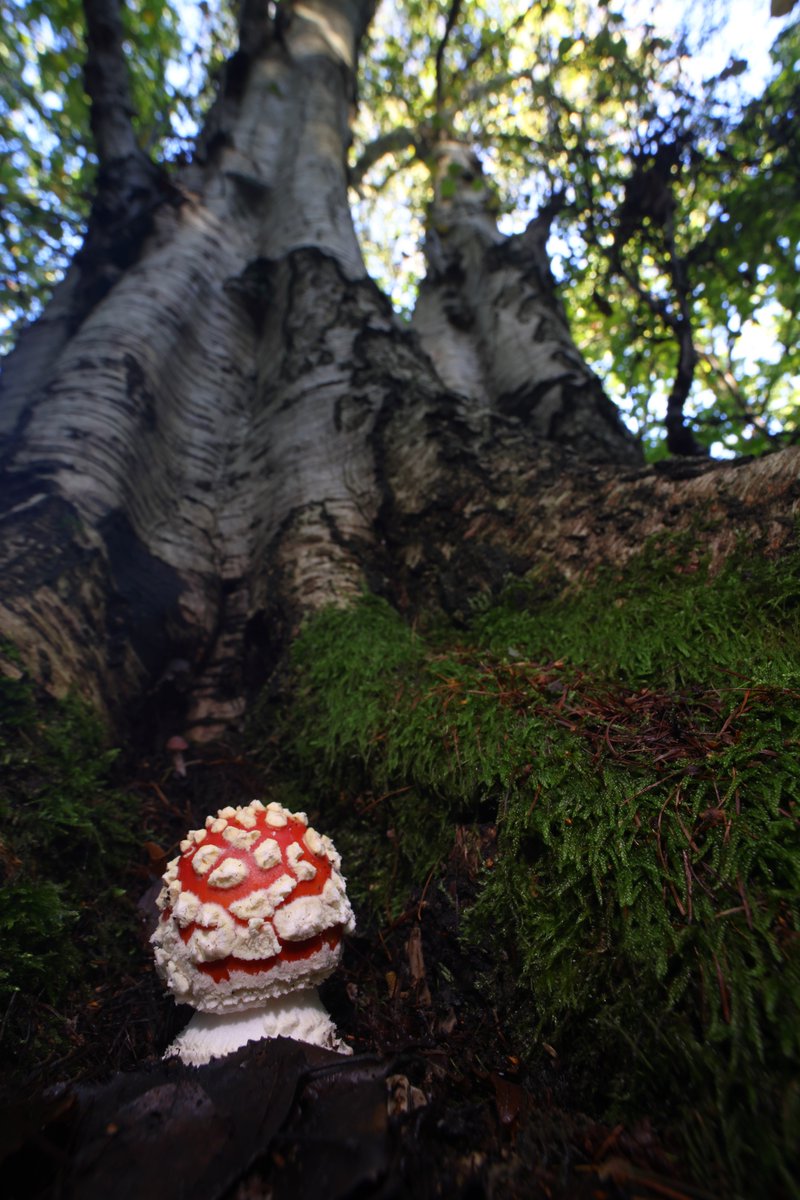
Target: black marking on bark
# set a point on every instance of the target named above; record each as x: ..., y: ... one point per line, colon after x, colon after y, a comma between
x: 448, y: 279
x: 255, y: 289
x: 254, y: 191
x: 549, y: 328
x: 585, y: 420
x: 351, y: 412
x: 18, y: 486
x: 39, y: 543
x: 210, y: 147
x: 523, y: 401
x: 120, y: 223
x: 528, y: 259
x: 139, y: 392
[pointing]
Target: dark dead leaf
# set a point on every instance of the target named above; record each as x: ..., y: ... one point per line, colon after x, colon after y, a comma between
x: 189, y: 1131
x: 511, y: 1101
x: 154, y: 852
x: 335, y: 1144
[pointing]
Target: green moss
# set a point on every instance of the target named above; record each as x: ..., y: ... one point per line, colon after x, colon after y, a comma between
x: 35, y: 927
x: 636, y: 742
x: 68, y: 838
x: 662, y: 618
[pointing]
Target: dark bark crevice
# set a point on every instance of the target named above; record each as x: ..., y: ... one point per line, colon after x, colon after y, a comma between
x: 143, y: 601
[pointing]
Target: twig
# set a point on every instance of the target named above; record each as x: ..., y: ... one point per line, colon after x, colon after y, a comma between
x: 723, y: 991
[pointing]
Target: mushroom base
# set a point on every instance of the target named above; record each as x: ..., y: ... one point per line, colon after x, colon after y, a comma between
x: 300, y: 1015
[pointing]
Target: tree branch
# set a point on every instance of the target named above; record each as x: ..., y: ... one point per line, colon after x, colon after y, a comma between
x: 387, y: 143
x: 107, y: 84
x: 130, y: 186
x: 680, y: 439
x: 418, y: 139
x: 452, y: 18
x: 720, y: 374
x: 486, y: 44
x: 479, y: 90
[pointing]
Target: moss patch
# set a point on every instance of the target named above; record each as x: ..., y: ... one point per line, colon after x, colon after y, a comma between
x: 636, y: 743
x: 66, y: 848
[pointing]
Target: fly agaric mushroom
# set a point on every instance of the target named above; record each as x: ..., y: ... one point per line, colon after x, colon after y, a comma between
x: 252, y: 917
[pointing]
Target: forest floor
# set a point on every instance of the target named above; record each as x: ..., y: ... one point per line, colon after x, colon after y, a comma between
x: 437, y: 1099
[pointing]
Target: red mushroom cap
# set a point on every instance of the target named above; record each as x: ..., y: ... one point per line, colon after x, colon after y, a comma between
x: 253, y: 908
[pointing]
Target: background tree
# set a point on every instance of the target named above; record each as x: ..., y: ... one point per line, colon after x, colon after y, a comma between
x: 217, y: 428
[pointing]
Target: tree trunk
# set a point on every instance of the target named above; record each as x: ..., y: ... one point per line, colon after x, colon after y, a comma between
x: 162, y: 459
x: 491, y: 320
x: 224, y: 428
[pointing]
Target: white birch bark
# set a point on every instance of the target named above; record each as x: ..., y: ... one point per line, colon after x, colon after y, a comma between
x: 490, y: 318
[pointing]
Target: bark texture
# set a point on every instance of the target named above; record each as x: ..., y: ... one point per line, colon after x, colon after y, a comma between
x: 491, y: 320
x: 218, y: 426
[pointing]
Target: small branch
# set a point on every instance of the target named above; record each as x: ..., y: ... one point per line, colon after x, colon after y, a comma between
x: 680, y: 439
x: 130, y: 186
x: 479, y: 90
x: 418, y: 139
x: 537, y: 231
x: 656, y: 306
x: 485, y: 45
x: 721, y: 374
x: 387, y: 143
x: 452, y: 18
x: 400, y: 164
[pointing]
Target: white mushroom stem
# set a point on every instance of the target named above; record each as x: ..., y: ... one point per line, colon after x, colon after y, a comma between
x: 179, y: 764
x: 300, y: 1015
